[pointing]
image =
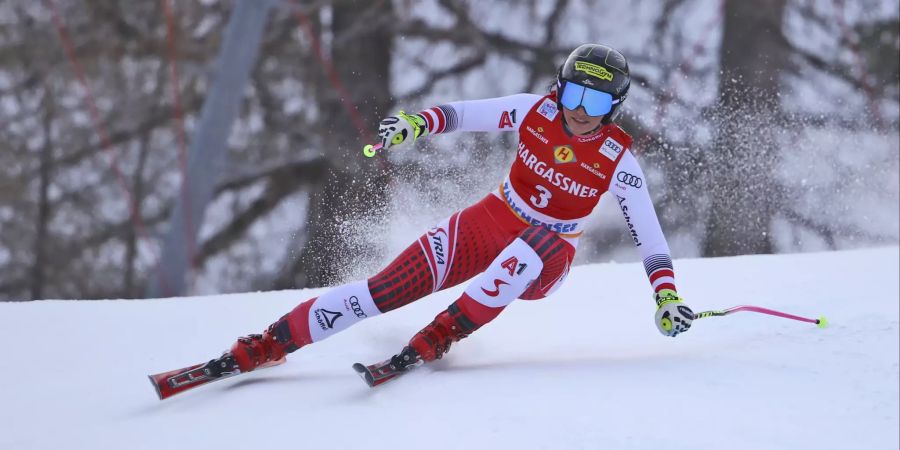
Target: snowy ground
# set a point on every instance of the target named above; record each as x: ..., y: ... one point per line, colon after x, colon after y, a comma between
x: 584, y: 369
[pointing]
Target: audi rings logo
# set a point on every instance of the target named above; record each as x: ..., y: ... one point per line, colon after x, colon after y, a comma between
x: 630, y: 179
x: 357, y: 309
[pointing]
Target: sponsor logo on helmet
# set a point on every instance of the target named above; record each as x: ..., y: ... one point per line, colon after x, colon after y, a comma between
x: 548, y: 109
x: 611, y: 148
x: 564, y: 154
x: 593, y: 70
x: 630, y: 179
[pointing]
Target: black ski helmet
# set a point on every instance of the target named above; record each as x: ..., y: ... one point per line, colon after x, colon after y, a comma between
x: 599, y: 67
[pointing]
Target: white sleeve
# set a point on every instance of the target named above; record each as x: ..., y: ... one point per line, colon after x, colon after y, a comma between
x: 629, y: 185
x: 491, y: 114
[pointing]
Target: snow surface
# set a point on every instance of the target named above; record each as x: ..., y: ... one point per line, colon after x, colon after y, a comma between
x: 583, y: 369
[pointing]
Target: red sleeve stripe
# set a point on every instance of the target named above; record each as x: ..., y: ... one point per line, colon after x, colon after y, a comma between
x: 442, y: 121
x: 429, y: 119
x: 664, y: 286
x: 661, y: 273
x: 435, y: 119
x: 662, y: 280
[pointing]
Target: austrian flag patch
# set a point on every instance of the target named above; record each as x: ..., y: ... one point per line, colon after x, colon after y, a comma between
x: 548, y: 109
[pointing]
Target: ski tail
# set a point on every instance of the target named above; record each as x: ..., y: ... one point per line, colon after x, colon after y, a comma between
x: 177, y: 381
x: 376, y: 374
x: 384, y: 371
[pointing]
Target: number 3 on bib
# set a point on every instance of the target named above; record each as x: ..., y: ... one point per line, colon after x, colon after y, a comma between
x: 543, y: 200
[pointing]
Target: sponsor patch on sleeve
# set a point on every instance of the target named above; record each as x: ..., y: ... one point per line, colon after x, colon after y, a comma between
x: 611, y: 148
x: 548, y: 109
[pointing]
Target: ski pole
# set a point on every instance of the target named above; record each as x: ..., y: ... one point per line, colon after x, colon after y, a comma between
x: 821, y: 322
x: 370, y: 150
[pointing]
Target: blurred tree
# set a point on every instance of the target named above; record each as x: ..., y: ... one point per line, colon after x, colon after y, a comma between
x: 236, y: 59
x: 740, y: 171
x: 66, y: 225
x: 352, y: 190
x: 879, y: 42
x: 42, y: 222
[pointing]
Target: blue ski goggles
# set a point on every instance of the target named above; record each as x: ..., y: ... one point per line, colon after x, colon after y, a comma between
x: 596, y: 103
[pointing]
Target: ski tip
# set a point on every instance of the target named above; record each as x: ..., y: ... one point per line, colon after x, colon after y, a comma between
x: 364, y: 372
x: 155, y: 386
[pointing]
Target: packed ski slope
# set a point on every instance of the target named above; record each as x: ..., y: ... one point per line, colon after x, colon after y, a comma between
x: 585, y: 369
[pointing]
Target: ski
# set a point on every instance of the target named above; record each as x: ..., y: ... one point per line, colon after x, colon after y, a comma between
x: 177, y: 381
x: 380, y: 373
x: 376, y: 374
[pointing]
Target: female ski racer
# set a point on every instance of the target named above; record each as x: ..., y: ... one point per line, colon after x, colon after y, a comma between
x: 520, y: 239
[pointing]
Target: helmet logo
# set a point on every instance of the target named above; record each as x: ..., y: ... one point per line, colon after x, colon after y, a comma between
x: 594, y: 70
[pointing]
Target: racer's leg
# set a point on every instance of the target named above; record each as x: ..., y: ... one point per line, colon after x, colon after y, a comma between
x: 531, y: 266
x: 456, y: 249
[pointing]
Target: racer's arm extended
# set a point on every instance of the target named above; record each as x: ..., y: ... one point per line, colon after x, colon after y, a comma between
x: 672, y: 316
x: 629, y: 186
x: 492, y: 114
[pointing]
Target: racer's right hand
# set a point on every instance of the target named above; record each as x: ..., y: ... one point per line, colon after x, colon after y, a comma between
x: 401, y: 129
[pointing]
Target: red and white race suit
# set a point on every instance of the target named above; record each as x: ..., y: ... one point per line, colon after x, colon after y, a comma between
x: 519, y: 240
x: 557, y: 179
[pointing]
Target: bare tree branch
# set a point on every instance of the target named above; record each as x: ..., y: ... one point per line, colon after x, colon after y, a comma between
x: 307, y: 170
x: 280, y: 184
x: 466, y: 64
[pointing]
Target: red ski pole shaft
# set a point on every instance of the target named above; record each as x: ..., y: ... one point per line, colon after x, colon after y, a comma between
x: 821, y: 322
